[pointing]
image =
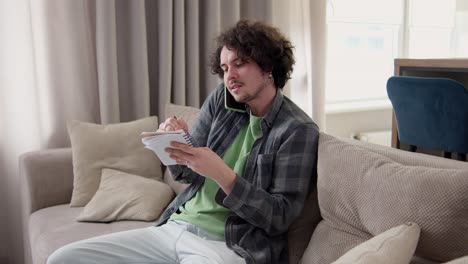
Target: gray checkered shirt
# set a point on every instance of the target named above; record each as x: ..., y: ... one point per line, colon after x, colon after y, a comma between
x: 278, y: 174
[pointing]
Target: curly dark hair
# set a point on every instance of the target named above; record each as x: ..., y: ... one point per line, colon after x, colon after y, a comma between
x: 260, y: 42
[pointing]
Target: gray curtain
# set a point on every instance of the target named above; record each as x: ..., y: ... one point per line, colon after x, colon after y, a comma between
x: 105, y: 62
x: 180, y: 40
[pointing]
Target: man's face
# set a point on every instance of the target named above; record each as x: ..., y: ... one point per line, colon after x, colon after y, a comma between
x: 244, y: 79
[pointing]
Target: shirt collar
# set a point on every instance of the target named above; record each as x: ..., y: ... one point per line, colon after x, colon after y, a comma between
x: 274, y: 108
x: 273, y: 111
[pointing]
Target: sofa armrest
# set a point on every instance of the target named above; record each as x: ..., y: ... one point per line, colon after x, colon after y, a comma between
x: 46, y: 178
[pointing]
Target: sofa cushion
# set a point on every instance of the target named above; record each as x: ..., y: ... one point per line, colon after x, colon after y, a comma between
x: 394, y: 246
x: 54, y: 227
x: 124, y: 196
x: 114, y: 146
x: 364, y: 189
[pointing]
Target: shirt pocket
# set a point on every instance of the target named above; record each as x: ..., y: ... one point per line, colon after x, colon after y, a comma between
x: 264, y: 170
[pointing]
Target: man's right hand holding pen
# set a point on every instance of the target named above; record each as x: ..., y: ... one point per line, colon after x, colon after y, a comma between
x: 172, y: 123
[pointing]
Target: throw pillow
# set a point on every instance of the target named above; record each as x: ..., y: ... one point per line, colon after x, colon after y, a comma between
x: 114, y: 146
x: 394, y: 246
x: 123, y: 196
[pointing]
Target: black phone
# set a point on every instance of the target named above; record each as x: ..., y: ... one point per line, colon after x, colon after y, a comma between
x: 231, y: 104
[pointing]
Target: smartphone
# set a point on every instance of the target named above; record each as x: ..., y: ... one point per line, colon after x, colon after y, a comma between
x: 231, y: 104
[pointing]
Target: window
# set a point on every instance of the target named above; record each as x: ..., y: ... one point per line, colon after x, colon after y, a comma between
x: 430, y: 32
x: 364, y: 36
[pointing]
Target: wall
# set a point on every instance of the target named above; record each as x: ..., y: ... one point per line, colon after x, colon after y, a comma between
x: 345, y: 124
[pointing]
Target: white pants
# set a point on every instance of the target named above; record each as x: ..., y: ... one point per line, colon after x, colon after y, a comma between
x: 174, y: 242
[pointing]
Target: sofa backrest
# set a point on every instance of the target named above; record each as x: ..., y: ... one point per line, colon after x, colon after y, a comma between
x: 366, y: 189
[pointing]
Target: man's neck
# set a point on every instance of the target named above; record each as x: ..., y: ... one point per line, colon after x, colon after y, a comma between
x: 261, y: 106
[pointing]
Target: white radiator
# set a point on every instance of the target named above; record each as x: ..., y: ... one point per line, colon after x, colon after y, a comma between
x: 377, y: 137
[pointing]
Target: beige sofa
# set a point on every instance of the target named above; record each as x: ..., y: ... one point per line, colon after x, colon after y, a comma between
x: 363, y: 190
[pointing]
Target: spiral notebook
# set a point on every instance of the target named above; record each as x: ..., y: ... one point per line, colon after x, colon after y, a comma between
x: 159, y: 141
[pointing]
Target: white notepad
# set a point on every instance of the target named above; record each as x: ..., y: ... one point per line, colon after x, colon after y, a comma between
x: 159, y: 141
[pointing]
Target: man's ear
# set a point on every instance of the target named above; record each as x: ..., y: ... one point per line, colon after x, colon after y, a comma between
x: 269, y: 71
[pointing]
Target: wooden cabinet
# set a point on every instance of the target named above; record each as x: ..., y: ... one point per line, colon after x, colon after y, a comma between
x: 456, y: 69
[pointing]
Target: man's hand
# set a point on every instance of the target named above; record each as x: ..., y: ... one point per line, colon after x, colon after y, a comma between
x: 172, y: 124
x: 204, y: 162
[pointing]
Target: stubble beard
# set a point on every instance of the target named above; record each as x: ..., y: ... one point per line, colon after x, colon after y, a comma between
x: 246, y: 98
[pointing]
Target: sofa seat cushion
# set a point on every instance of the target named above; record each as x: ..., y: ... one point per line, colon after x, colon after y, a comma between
x: 56, y: 226
x: 365, y: 189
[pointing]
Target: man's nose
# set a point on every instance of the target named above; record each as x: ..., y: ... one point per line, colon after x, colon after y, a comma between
x: 231, y: 73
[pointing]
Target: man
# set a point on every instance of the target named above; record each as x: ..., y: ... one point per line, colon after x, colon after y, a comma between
x: 250, y: 170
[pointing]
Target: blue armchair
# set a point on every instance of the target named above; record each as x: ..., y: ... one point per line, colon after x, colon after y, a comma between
x: 430, y: 113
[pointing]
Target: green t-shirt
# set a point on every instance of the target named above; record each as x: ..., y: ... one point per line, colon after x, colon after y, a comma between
x: 202, y: 210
